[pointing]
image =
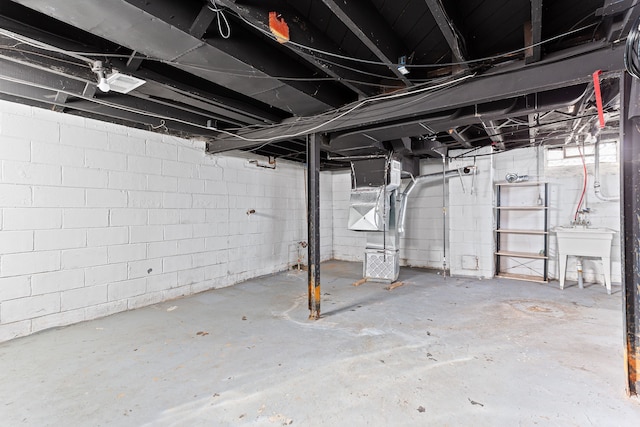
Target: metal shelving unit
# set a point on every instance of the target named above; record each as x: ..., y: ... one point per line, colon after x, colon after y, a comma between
x: 502, y: 213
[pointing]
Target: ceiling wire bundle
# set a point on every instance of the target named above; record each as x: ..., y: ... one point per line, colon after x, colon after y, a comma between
x: 223, y: 24
x: 632, y: 50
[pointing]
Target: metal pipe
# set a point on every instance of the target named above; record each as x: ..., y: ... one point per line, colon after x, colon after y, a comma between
x: 421, y: 180
x: 596, y: 182
x: 580, y: 278
x: 313, y: 224
x: 350, y: 158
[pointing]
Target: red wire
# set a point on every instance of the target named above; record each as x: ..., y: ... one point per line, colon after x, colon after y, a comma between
x: 584, y: 184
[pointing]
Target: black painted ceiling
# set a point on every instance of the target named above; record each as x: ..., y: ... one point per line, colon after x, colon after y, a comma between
x: 214, y: 69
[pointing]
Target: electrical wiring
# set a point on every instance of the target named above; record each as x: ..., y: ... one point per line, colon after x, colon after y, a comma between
x: 221, y: 18
x: 584, y: 184
x: 632, y: 50
x: 339, y: 116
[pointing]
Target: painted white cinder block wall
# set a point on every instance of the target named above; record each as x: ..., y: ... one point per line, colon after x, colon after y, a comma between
x: 470, y: 225
x: 98, y: 218
x: 565, y: 187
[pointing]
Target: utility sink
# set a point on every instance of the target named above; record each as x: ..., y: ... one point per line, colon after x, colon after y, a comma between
x: 585, y: 242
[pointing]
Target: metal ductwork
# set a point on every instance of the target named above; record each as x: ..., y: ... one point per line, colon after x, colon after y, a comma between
x: 378, y: 208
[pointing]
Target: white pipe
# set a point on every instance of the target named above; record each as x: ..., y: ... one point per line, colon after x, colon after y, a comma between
x: 580, y: 278
x: 596, y: 182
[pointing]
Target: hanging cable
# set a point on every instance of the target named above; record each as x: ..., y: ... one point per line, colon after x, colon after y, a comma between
x: 584, y: 183
x: 221, y: 18
x: 632, y: 50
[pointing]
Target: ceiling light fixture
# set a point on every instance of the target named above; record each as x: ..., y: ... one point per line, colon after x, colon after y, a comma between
x: 123, y: 83
x: 103, y: 84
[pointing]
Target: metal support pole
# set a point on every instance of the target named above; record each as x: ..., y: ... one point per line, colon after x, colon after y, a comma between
x: 313, y: 223
x: 630, y: 225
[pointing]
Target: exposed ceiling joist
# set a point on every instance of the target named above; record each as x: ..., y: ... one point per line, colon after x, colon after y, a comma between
x: 447, y: 29
x: 128, y: 25
x: 552, y: 73
x: 373, y: 31
x: 533, y: 35
x: 202, y: 22
x: 305, y: 34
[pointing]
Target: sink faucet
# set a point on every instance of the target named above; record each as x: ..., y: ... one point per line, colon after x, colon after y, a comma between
x: 582, y: 219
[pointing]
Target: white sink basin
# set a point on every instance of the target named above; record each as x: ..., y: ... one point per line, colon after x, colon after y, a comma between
x: 585, y: 241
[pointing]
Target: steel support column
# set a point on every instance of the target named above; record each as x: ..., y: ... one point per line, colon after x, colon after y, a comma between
x: 313, y: 223
x: 630, y: 222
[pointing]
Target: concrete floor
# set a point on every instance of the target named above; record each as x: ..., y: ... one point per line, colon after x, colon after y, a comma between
x: 432, y: 352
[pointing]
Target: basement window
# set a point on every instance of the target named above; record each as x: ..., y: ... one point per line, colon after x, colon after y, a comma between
x: 569, y: 155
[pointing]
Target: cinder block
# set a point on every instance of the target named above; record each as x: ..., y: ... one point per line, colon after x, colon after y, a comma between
x: 178, y: 231
x: 144, y: 268
x: 191, y: 276
x: 129, y: 252
x: 85, y: 217
x: 190, y: 185
x: 14, y: 287
x: 205, y: 230
x: 106, y: 198
x: 215, y: 187
x: 162, y: 282
x: 127, y: 180
x: 176, y: 200
x: 192, y: 216
x: 176, y: 263
x: 104, y: 274
x: 49, y: 197
x: 30, y: 173
x: 57, y: 319
x: 190, y: 246
x: 202, y: 259
x: 110, y: 161
x: 190, y: 155
x: 83, y: 297
x: 56, y: 281
x: 162, y: 249
x: 84, y: 177
x: 83, y: 137
x: 85, y: 257
x: 29, y: 263
x: 15, y: 195
x: 60, y: 239
x: 178, y: 292
x: 107, y: 236
x: 164, y: 216
x: 162, y: 183
x: 128, y: 216
x: 217, y: 243
x: 17, y: 149
x: 144, y: 165
x: 126, y: 144
x: 208, y: 201
x: 15, y: 241
x: 56, y: 154
x: 26, y: 127
x: 161, y: 150
x: 27, y: 308
x: 145, y: 233
x: 144, y: 199
x: 15, y: 330
x: 179, y: 169
x: 106, y: 309
x: 144, y: 300
x: 127, y: 289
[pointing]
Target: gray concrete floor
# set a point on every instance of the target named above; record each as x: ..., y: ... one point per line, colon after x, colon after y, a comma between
x: 432, y: 352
